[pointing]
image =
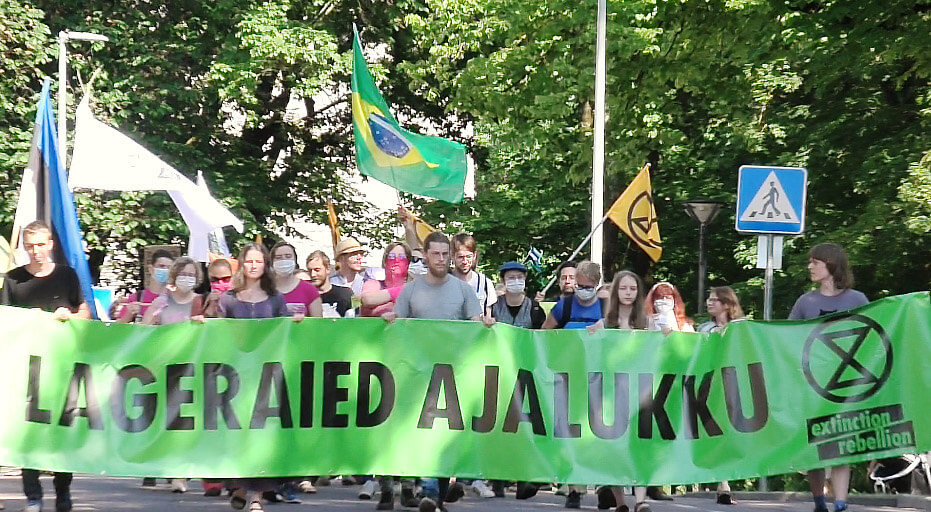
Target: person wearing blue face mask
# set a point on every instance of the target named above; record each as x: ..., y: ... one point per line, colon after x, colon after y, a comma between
x: 157, y: 271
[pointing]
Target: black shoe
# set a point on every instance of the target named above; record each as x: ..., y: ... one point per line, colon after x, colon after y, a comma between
x: 526, y: 490
x: 573, y: 500
x: 427, y: 505
x: 656, y: 493
x: 272, y: 497
x: 386, y: 501
x: 148, y: 482
x: 456, y: 491
x: 724, y: 498
x: 63, y: 502
x: 408, y: 499
x: 213, y: 491
x: 605, y: 498
x: 497, y: 486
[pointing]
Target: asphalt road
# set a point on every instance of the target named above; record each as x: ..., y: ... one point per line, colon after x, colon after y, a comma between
x: 125, y: 494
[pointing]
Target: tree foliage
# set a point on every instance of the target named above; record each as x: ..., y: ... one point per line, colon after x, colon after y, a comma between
x: 696, y: 88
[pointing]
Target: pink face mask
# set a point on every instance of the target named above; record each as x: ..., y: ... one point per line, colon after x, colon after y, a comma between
x: 397, y: 265
x: 221, y: 286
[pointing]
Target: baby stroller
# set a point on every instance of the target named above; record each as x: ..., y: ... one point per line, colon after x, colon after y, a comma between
x: 906, y: 474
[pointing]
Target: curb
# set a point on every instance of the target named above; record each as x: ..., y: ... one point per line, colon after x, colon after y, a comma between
x: 915, y: 501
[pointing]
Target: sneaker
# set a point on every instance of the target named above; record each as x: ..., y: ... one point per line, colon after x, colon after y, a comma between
x: 480, y: 488
x: 369, y: 488
x: 526, y: 490
x: 63, y: 502
x: 33, y: 506
x: 657, y: 494
x: 573, y: 500
x: 288, y: 495
x: 724, y: 498
x: 642, y: 507
x: 178, y: 485
x: 307, y: 486
x: 427, y: 505
x: 387, y: 500
x: 408, y: 499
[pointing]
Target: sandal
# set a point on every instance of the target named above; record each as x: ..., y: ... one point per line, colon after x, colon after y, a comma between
x: 238, y: 499
x: 724, y: 498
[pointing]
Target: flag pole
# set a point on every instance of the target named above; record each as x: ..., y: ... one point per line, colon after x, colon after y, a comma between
x: 579, y: 249
x: 598, y: 165
x: 63, y: 37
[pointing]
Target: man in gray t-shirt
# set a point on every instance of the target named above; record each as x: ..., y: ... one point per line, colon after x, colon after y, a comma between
x: 438, y: 296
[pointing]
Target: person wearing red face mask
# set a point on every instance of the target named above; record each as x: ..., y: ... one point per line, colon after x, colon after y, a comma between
x: 220, y: 274
x: 379, y: 296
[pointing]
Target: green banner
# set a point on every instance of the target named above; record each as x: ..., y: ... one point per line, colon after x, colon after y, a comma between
x: 240, y: 398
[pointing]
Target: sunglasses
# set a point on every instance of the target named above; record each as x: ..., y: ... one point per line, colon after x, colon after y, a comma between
x: 225, y: 279
x: 416, y: 259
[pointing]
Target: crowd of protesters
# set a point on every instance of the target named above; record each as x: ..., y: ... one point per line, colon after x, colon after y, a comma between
x: 435, y: 280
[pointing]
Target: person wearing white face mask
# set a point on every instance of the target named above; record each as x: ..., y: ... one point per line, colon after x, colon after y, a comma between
x: 517, y: 308
x: 178, y: 304
x: 666, y: 310
x: 582, y: 309
x: 301, y: 297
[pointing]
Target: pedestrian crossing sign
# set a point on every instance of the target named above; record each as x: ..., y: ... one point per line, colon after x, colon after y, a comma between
x: 771, y: 199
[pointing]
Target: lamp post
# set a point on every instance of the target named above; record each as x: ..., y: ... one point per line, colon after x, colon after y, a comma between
x: 704, y: 212
x: 63, y: 37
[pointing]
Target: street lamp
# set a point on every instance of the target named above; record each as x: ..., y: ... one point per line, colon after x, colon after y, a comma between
x: 63, y: 37
x: 704, y: 212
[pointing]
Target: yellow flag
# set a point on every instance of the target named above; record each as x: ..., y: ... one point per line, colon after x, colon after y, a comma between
x: 420, y: 227
x: 634, y: 213
x: 334, y: 224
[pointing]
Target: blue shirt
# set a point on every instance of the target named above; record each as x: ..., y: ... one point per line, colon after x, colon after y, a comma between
x: 580, y: 316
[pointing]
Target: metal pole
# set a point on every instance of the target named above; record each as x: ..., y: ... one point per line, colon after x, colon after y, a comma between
x: 768, y: 287
x: 62, y: 95
x: 768, y: 306
x: 577, y: 250
x: 598, y: 165
x: 702, y: 267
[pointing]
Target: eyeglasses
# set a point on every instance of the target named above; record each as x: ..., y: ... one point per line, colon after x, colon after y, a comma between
x: 393, y: 256
x: 224, y: 279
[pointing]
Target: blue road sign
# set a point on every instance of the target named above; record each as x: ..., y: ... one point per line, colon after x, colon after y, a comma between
x: 771, y: 199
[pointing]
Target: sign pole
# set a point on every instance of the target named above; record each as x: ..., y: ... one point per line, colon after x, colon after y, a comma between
x: 768, y: 305
x: 768, y: 286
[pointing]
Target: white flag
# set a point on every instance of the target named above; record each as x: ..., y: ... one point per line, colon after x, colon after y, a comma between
x: 201, y: 242
x: 106, y: 159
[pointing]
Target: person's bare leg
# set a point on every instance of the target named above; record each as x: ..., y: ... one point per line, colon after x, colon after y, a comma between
x: 816, y: 483
x: 618, y: 492
x: 840, y: 482
x: 640, y: 493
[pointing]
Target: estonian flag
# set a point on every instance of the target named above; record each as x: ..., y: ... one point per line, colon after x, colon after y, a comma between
x: 44, y: 195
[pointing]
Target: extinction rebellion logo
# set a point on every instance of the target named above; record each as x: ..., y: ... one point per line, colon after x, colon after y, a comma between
x: 846, y: 360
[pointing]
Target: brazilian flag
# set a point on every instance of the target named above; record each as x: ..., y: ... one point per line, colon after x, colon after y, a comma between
x: 418, y: 164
